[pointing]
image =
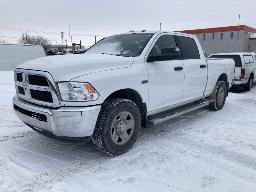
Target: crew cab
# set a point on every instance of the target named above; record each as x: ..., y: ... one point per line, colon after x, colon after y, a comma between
x: 245, y: 66
x: 122, y: 83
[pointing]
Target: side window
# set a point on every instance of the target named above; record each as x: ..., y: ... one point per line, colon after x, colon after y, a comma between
x: 188, y: 47
x: 204, y: 37
x: 248, y: 59
x: 165, y: 46
x: 232, y: 35
x: 221, y: 36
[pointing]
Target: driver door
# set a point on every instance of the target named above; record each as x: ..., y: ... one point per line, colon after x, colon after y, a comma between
x: 166, y: 74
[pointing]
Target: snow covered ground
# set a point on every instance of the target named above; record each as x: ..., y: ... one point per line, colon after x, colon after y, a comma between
x: 201, y: 151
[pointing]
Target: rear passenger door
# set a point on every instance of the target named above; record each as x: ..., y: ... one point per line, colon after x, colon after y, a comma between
x: 195, y: 69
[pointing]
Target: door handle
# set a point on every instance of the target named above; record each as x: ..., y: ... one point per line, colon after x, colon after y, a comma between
x: 202, y: 66
x: 178, y: 68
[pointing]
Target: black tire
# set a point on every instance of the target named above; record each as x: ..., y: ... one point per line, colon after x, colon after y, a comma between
x: 249, y: 85
x: 103, y: 134
x: 220, y: 96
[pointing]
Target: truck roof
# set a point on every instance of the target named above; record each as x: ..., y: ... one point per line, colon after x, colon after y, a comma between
x: 159, y: 32
x: 234, y: 53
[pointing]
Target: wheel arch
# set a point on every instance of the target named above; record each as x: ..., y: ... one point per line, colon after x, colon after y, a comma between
x: 224, y: 77
x: 134, y: 96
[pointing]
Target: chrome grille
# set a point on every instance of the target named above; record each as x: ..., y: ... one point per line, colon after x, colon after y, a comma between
x: 35, y: 88
x: 41, y: 95
x: 38, y: 80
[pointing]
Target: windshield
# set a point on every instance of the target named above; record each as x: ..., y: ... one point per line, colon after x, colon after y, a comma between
x: 126, y: 45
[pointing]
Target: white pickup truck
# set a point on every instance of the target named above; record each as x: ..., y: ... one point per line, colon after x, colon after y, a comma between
x: 121, y: 83
x: 245, y: 68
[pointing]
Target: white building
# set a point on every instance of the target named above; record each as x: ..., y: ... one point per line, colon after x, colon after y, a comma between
x: 239, y: 38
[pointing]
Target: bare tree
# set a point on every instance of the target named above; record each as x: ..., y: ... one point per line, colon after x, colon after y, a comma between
x: 33, y: 40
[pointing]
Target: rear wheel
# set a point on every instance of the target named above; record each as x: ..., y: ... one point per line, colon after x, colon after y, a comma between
x: 220, y: 97
x: 249, y: 85
x: 118, y: 126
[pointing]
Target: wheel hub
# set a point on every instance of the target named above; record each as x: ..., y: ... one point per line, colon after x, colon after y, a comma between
x: 122, y: 128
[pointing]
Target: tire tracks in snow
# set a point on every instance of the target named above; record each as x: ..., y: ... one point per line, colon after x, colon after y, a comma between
x: 176, y: 136
x: 16, y: 136
x: 225, y: 159
x: 171, y: 135
x: 92, y: 160
x: 52, y: 176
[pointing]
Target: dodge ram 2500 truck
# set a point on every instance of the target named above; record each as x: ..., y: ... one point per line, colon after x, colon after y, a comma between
x: 120, y: 84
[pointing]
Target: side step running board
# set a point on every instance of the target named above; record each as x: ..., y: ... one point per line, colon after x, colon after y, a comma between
x: 177, y: 112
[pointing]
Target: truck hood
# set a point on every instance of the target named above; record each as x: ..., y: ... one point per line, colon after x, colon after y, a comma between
x: 68, y: 67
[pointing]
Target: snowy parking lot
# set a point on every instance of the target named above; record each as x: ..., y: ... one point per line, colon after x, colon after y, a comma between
x: 201, y: 151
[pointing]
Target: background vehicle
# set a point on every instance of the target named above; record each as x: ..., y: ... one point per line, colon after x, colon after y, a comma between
x: 245, y: 68
x: 120, y: 84
x: 12, y: 55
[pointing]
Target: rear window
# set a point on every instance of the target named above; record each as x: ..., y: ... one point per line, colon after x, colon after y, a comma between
x: 248, y: 59
x: 236, y: 58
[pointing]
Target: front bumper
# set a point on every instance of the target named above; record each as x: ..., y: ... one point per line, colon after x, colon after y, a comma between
x: 62, y: 122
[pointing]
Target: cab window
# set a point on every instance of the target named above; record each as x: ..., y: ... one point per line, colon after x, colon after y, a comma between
x: 164, y: 49
x: 188, y: 47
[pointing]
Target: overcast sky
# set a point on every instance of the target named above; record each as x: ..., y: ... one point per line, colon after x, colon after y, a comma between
x: 106, y: 17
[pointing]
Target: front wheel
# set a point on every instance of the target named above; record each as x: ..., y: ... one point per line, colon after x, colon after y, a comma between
x: 118, y: 126
x: 220, y: 97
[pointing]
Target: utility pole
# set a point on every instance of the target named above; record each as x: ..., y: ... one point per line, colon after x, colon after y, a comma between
x: 71, y: 38
x: 62, y: 37
x: 238, y: 27
x: 160, y: 26
x: 66, y: 45
x: 69, y: 33
x: 239, y: 42
x: 95, y: 39
x: 69, y: 30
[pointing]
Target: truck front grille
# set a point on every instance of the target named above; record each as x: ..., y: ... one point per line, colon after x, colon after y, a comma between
x: 38, y: 116
x: 21, y: 90
x: 41, y: 96
x: 35, y: 88
x: 37, y: 80
x: 19, y: 77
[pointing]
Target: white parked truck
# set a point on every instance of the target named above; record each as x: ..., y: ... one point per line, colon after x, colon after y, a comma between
x: 245, y: 68
x: 121, y: 83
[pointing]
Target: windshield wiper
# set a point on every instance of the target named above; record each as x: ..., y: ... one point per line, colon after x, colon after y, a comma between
x: 116, y: 54
x: 123, y: 55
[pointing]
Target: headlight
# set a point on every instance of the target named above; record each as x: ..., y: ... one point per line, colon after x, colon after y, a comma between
x: 76, y: 91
